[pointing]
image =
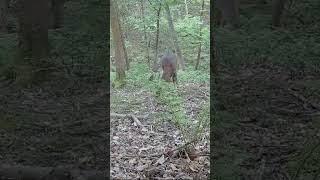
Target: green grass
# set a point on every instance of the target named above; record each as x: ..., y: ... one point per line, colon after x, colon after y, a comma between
x: 168, y: 95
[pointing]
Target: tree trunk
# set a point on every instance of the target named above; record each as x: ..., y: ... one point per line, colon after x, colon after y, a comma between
x: 186, y: 7
x: 58, y: 13
x: 127, y: 62
x: 155, y: 61
x: 214, y: 56
x: 33, y: 42
x: 145, y: 32
x: 227, y: 11
x: 3, y: 16
x: 200, y: 35
x: 33, y: 29
x: 118, y: 42
x: 123, y: 35
x: 277, y: 9
x: 174, y: 37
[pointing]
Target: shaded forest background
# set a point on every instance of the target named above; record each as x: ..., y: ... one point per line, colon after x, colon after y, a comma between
x: 80, y: 39
x: 267, y: 93
x: 53, y: 88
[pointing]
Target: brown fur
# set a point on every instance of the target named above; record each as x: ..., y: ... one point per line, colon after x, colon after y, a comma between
x: 168, y: 62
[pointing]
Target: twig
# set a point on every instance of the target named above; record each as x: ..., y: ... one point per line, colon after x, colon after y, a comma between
x: 133, y: 117
x: 127, y: 115
x: 163, y: 153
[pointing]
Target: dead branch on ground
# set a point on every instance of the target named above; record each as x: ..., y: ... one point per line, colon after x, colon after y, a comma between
x: 133, y: 117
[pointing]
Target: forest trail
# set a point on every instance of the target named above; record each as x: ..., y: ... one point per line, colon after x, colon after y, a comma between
x: 137, y: 152
x: 277, y: 113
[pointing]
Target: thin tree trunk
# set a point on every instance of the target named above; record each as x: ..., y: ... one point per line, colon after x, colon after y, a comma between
x: 33, y: 42
x: 155, y: 61
x: 145, y: 32
x: 227, y: 11
x: 215, y: 59
x: 3, y: 16
x: 33, y: 28
x: 127, y: 62
x: 200, y: 35
x: 277, y: 9
x: 58, y: 13
x: 186, y: 7
x: 124, y: 48
x: 174, y: 37
x: 118, y: 42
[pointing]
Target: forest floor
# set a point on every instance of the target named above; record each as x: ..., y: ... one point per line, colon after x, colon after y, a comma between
x: 139, y: 151
x: 278, y: 113
x: 60, y: 123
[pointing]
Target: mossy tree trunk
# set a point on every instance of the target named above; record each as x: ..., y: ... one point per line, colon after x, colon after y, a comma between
x: 200, y: 37
x: 120, y: 60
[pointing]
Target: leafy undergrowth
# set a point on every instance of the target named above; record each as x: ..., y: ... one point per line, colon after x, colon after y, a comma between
x: 268, y: 119
x: 166, y: 113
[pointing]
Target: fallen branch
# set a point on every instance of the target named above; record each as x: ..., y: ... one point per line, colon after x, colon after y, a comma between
x: 163, y: 153
x: 133, y: 117
x: 127, y: 115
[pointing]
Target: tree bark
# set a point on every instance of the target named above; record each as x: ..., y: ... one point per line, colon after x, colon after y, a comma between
x: 4, y: 16
x: 123, y: 35
x: 118, y: 42
x: 174, y: 37
x: 277, y: 9
x: 200, y: 35
x: 33, y: 29
x: 58, y: 13
x: 145, y: 32
x: 186, y: 7
x: 227, y: 11
x: 33, y: 45
x: 155, y: 61
x: 127, y: 64
x: 215, y: 59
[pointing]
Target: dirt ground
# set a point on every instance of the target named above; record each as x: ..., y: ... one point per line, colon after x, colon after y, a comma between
x: 62, y: 122
x: 278, y: 112
x: 138, y: 152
